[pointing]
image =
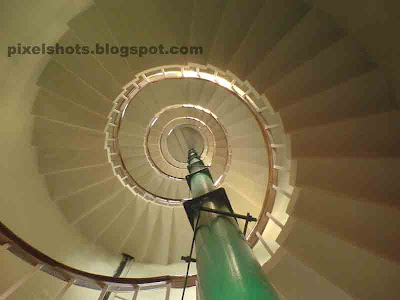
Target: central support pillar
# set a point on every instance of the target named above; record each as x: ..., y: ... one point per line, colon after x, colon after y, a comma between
x: 226, y: 266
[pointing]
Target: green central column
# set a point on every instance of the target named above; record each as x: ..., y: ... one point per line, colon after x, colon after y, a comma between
x: 226, y: 266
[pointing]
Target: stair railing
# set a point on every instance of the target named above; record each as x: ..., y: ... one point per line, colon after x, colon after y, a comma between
x: 255, y: 102
x: 9, y: 241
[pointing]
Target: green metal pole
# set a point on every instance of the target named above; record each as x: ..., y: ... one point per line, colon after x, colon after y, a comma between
x: 226, y: 266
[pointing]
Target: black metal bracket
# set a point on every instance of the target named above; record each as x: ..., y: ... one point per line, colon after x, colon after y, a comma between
x: 217, y: 196
x: 188, y: 259
x: 205, y: 170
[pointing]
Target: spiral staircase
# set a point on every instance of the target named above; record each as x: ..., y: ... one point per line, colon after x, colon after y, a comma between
x: 293, y: 104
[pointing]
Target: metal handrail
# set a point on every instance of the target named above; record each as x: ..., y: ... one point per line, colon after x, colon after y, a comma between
x: 34, y: 257
x: 138, y: 84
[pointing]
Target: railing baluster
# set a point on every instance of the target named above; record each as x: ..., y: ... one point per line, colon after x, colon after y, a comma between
x: 280, y: 168
x: 65, y: 289
x: 277, y: 145
x: 281, y: 190
x: 135, y: 294
x: 20, y: 282
x: 168, y: 291
x: 103, y: 292
x: 276, y: 221
x: 271, y: 126
x: 264, y: 243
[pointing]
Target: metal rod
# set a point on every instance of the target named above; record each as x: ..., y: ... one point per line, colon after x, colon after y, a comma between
x: 246, y: 224
x: 220, y: 212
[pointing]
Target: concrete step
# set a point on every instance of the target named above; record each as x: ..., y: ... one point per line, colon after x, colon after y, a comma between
x: 340, y: 262
x: 64, y: 83
x: 340, y: 62
x: 91, y: 28
x: 273, y: 21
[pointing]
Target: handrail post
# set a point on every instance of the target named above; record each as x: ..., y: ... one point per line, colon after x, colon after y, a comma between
x: 103, y: 292
x: 269, y: 250
x: 275, y: 220
x: 135, y: 294
x: 20, y: 282
x: 64, y: 290
x: 167, y: 294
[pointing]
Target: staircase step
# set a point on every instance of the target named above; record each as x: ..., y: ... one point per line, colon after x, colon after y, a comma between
x: 169, y: 92
x: 364, y: 178
x: 257, y: 156
x: 61, y: 159
x: 347, y: 267
x: 208, y: 91
x: 255, y: 193
x: 295, y: 280
x: 238, y: 113
x: 366, y: 225
x: 235, y: 22
x: 68, y: 182
x: 160, y: 237
x: 202, y: 33
x: 195, y: 87
x: 77, y: 205
x: 113, y: 237
x: 91, y: 28
x: 313, y: 33
x: 131, y: 243
x: 52, y: 106
x: 146, y: 234
x: 360, y: 96
x: 128, y: 152
x: 371, y: 136
x: 134, y: 163
x: 50, y: 134
x: 85, y: 66
x: 168, y: 32
x: 64, y: 83
x: 338, y: 63
x: 257, y: 173
x: 130, y: 128
x: 94, y: 224
x: 254, y: 139
x: 273, y: 21
x: 131, y: 141
x: 220, y: 95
